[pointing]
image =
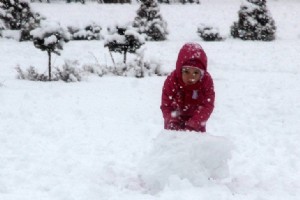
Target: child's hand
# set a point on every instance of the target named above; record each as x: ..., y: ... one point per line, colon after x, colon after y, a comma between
x: 191, y: 125
x: 173, y: 124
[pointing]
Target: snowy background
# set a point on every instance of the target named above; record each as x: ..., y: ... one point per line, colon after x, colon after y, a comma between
x: 103, y: 138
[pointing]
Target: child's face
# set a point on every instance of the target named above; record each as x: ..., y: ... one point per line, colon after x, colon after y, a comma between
x: 190, y: 75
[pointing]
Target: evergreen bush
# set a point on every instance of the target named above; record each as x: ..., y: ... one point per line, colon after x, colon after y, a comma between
x: 255, y: 22
x: 150, y: 22
x: 17, y: 15
x: 69, y: 72
x: 209, y: 33
x: 89, y: 32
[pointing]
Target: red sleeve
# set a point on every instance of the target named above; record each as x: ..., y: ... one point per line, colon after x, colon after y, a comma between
x: 168, y: 103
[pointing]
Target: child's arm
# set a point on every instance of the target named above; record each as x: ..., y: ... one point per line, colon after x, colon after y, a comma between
x: 170, y: 114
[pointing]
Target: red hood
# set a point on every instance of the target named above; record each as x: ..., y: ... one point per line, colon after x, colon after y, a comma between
x: 191, y: 54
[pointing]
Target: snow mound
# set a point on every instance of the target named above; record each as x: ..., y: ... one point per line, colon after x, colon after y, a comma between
x: 187, y: 157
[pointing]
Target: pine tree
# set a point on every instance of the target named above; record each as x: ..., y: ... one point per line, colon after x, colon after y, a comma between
x: 50, y: 37
x: 150, y: 22
x: 255, y: 22
x: 17, y: 15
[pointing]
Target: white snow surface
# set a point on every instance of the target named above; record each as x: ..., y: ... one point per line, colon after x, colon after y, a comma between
x: 103, y: 138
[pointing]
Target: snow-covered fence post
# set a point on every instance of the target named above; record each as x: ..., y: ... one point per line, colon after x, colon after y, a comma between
x: 50, y: 37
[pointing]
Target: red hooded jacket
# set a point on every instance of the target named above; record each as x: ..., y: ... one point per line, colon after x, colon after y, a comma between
x: 188, y: 107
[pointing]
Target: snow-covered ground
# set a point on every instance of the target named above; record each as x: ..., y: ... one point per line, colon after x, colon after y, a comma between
x: 103, y: 138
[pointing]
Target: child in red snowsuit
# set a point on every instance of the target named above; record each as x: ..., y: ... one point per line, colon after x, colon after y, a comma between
x: 188, y: 93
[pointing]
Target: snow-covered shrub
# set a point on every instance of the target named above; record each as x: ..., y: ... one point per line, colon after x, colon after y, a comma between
x: 31, y: 74
x: 70, y: 72
x: 89, y: 32
x: 150, y: 22
x: 140, y: 68
x: 131, y: 69
x: 135, y: 68
x: 209, y: 33
x: 123, y: 39
x: 50, y: 37
x: 255, y: 22
x: 17, y: 15
x: 31, y: 25
x: 97, y: 69
x: 185, y: 157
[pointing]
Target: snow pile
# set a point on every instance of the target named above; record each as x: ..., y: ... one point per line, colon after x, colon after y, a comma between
x: 189, y: 157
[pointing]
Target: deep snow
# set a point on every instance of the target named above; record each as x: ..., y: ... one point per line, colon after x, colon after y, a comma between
x: 103, y: 138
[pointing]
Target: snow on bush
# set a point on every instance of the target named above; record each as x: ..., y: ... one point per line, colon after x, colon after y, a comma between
x: 72, y: 71
x: 30, y: 74
x: 186, y: 156
x: 123, y: 39
x: 88, y: 32
x: 255, y: 22
x: 135, y: 68
x: 69, y: 72
x: 150, y: 22
x: 18, y: 15
x: 50, y: 37
x: 11, y: 34
x: 209, y: 33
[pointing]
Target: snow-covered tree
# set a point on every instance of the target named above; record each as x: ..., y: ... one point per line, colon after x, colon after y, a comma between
x: 17, y: 15
x: 50, y: 37
x: 123, y: 39
x: 150, y: 22
x: 255, y: 22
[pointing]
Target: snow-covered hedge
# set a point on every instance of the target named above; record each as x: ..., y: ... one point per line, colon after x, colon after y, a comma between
x: 209, y: 33
x: 89, y: 32
x: 136, y: 68
x: 69, y: 72
x: 72, y: 71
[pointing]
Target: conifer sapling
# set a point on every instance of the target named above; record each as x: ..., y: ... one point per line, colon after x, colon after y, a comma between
x: 50, y: 37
